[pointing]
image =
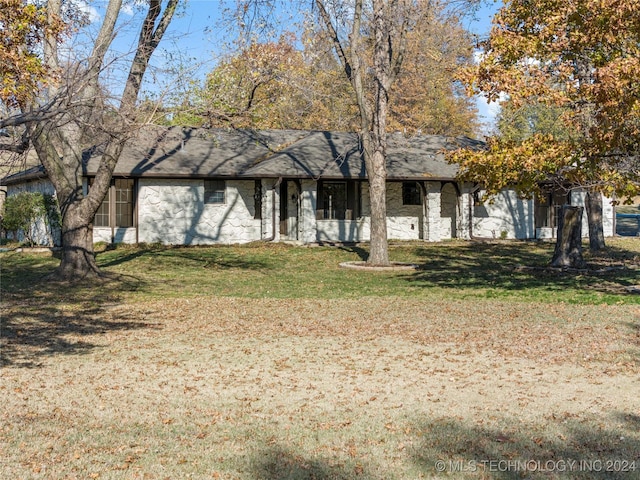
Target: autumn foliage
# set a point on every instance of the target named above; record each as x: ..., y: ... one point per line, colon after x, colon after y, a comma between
x: 24, y: 27
x: 297, y: 82
x: 581, y: 58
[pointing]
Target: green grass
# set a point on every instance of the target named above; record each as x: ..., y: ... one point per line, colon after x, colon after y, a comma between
x: 448, y: 269
x: 269, y: 361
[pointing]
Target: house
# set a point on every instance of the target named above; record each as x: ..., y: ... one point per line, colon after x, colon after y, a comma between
x: 194, y: 186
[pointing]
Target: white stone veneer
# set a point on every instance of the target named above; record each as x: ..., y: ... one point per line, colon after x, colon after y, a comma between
x: 504, y: 216
x: 173, y: 212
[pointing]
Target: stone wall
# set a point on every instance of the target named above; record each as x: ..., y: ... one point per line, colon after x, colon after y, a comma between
x: 504, y: 216
x: 174, y: 212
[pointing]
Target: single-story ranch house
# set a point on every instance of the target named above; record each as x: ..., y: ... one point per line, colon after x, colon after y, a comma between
x: 192, y: 186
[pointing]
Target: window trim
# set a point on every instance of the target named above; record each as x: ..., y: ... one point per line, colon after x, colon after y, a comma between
x: 111, y: 203
x: 211, y: 191
x: 352, y: 201
x: 411, y: 197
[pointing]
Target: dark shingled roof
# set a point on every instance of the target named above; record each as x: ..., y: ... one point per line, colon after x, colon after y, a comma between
x: 176, y: 152
x: 195, y: 152
x: 317, y: 155
x: 33, y: 173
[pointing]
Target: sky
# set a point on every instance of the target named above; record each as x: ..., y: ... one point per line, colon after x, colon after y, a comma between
x: 195, y: 41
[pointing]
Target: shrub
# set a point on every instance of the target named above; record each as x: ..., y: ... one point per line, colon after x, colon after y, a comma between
x: 24, y: 210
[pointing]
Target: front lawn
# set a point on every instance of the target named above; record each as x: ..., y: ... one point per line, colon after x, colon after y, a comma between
x: 456, y: 269
x: 270, y: 362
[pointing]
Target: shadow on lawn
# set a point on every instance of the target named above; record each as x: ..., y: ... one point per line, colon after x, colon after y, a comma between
x: 575, y: 450
x: 204, y: 256
x: 277, y: 463
x: 43, y: 318
x: 488, y: 265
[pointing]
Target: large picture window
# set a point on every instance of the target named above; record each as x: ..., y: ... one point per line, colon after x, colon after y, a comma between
x: 117, y: 207
x: 338, y: 200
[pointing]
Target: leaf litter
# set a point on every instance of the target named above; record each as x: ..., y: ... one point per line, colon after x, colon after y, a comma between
x: 243, y: 388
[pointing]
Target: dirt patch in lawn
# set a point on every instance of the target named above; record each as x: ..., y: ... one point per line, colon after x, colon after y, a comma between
x: 370, y: 388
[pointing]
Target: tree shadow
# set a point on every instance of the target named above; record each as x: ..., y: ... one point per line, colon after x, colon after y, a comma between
x: 577, y: 449
x: 45, y: 318
x: 117, y: 255
x: 361, y: 252
x: 518, y: 266
x: 207, y: 256
x: 277, y: 463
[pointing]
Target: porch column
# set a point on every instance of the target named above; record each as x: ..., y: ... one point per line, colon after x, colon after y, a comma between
x: 432, y: 212
x: 465, y: 203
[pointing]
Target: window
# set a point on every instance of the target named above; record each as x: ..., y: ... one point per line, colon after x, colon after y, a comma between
x: 214, y: 191
x: 547, y: 207
x: 410, y: 193
x: 102, y: 215
x: 117, y: 207
x: 338, y: 200
x: 123, y: 190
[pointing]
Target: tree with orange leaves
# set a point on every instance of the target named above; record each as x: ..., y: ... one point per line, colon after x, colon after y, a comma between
x: 581, y: 58
x: 24, y: 27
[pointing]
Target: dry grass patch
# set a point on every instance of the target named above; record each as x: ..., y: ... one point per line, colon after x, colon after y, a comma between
x: 378, y: 387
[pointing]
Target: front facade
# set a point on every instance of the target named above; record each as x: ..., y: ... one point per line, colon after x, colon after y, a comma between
x: 199, y: 187
x: 183, y: 211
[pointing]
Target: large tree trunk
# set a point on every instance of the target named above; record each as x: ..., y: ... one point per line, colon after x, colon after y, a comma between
x: 593, y: 204
x: 78, y: 261
x: 85, y: 121
x: 568, y: 251
x: 379, y: 254
x: 389, y: 24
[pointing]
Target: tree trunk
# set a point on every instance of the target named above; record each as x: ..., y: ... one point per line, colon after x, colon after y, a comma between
x: 83, y: 119
x: 568, y: 251
x: 379, y: 254
x: 78, y: 261
x: 593, y: 204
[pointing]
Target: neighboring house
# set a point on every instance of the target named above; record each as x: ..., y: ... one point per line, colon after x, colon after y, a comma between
x: 188, y: 186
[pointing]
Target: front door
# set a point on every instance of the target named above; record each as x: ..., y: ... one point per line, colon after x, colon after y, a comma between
x: 289, y: 208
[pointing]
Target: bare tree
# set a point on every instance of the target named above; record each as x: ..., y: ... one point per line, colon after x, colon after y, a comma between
x: 72, y: 117
x: 378, y: 28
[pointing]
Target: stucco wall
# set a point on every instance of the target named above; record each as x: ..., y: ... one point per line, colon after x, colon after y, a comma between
x: 506, y: 213
x: 120, y: 235
x: 173, y: 212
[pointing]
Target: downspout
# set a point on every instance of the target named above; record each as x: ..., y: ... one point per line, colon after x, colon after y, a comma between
x: 273, y: 211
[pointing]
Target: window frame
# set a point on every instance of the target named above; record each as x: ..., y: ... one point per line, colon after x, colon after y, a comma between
x: 109, y: 213
x: 352, y: 203
x: 411, y: 194
x: 212, y: 189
